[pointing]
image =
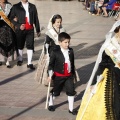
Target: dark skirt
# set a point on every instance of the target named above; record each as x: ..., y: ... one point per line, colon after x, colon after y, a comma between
x: 7, y: 40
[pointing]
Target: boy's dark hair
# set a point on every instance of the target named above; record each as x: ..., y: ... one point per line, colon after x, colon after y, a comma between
x: 117, y: 29
x: 57, y: 16
x: 62, y: 36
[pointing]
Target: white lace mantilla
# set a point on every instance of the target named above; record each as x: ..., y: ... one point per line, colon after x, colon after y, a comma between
x: 7, y: 9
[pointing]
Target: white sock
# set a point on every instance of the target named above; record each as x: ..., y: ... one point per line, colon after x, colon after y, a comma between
x: 51, y: 102
x: 29, y: 54
x: 7, y: 63
x: 20, y: 55
x: 71, y: 101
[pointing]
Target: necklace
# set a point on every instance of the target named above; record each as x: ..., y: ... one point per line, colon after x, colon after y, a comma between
x: 57, y: 30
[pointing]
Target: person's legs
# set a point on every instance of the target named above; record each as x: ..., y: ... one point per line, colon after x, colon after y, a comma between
x: 87, y: 5
x: 105, y: 11
x: 8, y: 62
x: 20, y: 35
x: 51, y: 103
x: 51, y: 100
x: 92, y: 7
x: 29, y: 55
x: 57, y: 88
x: 70, y: 91
x: 98, y: 11
x: 1, y: 59
x: 20, y: 58
x: 30, y: 47
x: 71, y: 101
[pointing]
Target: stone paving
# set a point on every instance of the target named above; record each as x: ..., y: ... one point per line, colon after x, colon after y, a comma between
x: 23, y: 98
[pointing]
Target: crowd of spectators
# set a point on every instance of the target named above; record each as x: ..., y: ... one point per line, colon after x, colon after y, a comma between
x: 103, y: 7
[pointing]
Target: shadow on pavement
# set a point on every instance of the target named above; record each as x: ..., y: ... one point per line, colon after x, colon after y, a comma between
x: 10, y: 79
x: 29, y: 108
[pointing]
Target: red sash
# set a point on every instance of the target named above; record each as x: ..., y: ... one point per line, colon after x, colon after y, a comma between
x: 65, y: 71
x: 27, y: 25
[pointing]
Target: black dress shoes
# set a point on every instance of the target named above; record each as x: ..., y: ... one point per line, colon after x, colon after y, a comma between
x: 31, y: 66
x: 74, y: 112
x: 8, y: 66
x: 19, y: 63
x: 51, y: 108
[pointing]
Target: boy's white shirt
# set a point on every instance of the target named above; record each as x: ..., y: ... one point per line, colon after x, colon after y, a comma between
x: 67, y: 59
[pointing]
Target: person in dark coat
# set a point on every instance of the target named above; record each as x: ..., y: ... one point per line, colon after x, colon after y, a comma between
x: 27, y: 16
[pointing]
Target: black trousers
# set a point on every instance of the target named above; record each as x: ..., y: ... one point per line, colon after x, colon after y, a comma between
x: 25, y: 36
x: 60, y: 82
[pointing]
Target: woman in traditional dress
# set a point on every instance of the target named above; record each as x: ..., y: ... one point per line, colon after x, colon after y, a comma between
x: 7, y: 35
x: 51, y: 40
x: 101, y: 100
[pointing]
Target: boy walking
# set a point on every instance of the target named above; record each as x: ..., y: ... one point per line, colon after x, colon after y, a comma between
x: 61, y: 65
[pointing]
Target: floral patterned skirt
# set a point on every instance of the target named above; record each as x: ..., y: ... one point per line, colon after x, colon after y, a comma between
x: 7, y: 40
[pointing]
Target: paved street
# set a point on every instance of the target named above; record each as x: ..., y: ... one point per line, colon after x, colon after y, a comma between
x: 23, y: 98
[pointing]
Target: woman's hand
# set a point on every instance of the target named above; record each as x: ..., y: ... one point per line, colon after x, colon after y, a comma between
x: 105, y: 5
x: 22, y: 27
x: 49, y: 79
x: 15, y: 19
x: 92, y: 87
x: 38, y: 34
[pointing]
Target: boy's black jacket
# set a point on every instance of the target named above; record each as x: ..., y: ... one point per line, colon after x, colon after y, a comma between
x: 57, y: 60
